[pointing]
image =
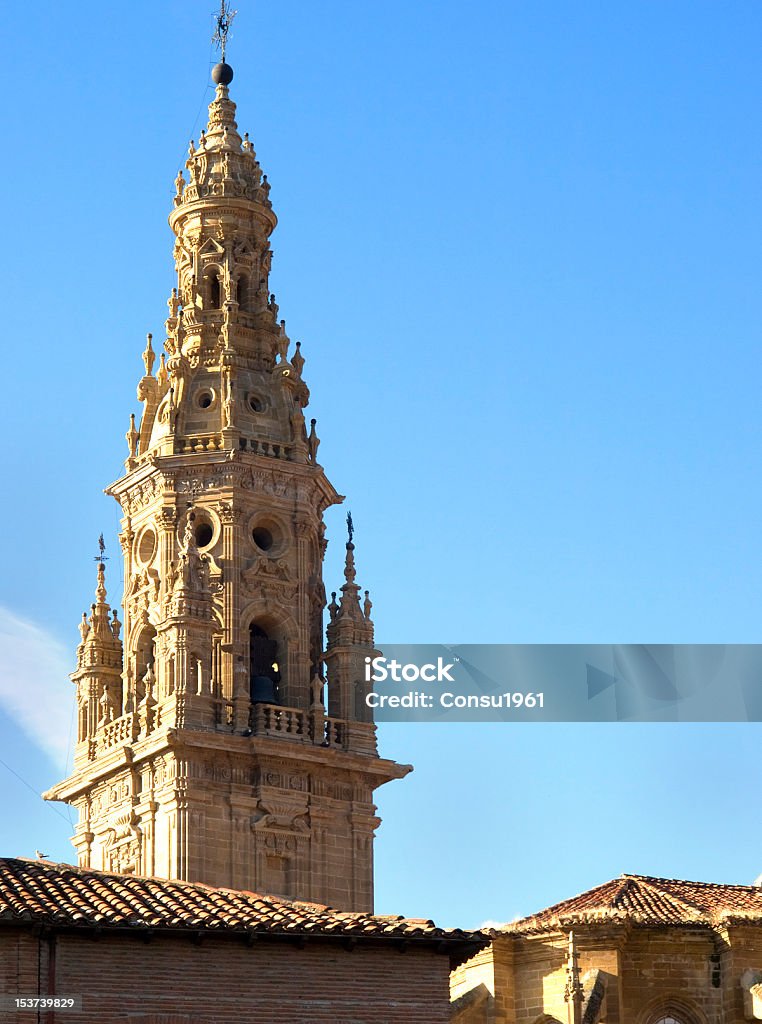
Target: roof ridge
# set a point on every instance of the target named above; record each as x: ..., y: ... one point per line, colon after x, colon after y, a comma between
x: 647, y: 899
x: 562, y: 904
x: 688, y: 881
x: 677, y: 900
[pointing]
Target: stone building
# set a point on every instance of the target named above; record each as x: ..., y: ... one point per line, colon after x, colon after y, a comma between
x: 225, y: 759
x: 220, y: 739
x: 636, y: 950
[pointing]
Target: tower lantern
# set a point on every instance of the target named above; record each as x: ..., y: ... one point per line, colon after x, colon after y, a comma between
x: 205, y: 751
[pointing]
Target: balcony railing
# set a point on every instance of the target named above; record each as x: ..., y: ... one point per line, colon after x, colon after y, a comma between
x: 117, y: 733
x: 293, y: 724
x: 274, y: 720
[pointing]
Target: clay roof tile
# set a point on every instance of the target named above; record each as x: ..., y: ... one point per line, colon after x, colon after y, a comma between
x: 35, y: 890
x: 645, y: 900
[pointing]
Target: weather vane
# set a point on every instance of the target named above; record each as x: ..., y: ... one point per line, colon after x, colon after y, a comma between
x: 223, y: 21
x: 350, y: 527
x: 101, y: 556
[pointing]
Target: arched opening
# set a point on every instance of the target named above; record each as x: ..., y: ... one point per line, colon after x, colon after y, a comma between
x: 145, y: 655
x: 212, y: 290
x: 264, y: 666
x: 82, y: 729
x: 242, y: 292
x: 197, y: 680
x: 672, y: 1010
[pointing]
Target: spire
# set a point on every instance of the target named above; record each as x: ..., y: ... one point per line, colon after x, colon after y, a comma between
x: 350, y: 616
x: 100, y: 590
x: 99, y: 631
x: 350, y: 644
x: 350, y: 592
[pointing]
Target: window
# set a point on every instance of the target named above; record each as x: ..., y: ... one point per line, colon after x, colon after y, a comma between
x: 264, y: 671
x: 214, y: 291
x: 242, y: 292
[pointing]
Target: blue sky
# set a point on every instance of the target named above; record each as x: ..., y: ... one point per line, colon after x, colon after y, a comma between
x: 521, y: 246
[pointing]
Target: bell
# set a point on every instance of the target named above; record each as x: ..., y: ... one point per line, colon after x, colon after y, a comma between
x: 263, y: 690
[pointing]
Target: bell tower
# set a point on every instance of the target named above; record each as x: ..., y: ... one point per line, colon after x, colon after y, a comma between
x: 212, y: 745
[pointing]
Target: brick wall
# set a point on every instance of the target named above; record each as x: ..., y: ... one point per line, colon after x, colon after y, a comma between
x: 219, y: 981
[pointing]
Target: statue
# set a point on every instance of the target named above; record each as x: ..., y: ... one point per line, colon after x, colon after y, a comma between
x: 107, y: 709
x: 317, y: 691
x: 203, y: 572
x: 188, y: 538
x: 228, y: 402
x: 148, y: 681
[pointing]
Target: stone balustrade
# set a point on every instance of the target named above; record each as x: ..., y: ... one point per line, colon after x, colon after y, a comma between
x: 120, y: 731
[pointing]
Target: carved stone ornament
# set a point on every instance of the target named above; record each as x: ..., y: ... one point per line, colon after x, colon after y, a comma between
x: 275, y: 814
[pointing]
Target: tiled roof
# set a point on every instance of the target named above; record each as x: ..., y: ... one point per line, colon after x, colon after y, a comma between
x: 37, y: 891
x: 643, y: 900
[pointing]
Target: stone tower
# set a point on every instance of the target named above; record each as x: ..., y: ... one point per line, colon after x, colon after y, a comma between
x: 206, y: 748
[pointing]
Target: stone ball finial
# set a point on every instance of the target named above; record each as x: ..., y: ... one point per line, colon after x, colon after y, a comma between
x: 222, y: 74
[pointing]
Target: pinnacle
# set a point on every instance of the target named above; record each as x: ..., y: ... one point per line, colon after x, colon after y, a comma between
x: 100, y: 589
x: 223, y: 164
x: 222, y: 124
x: 98, y: 627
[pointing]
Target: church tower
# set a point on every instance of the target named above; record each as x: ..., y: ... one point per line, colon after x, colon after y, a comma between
x: 211, y: 745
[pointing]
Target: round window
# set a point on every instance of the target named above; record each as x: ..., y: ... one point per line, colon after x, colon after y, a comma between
x: 262, y: 538
x: 205, y: 398
x: 146, y: 548
x: 203, y: 534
